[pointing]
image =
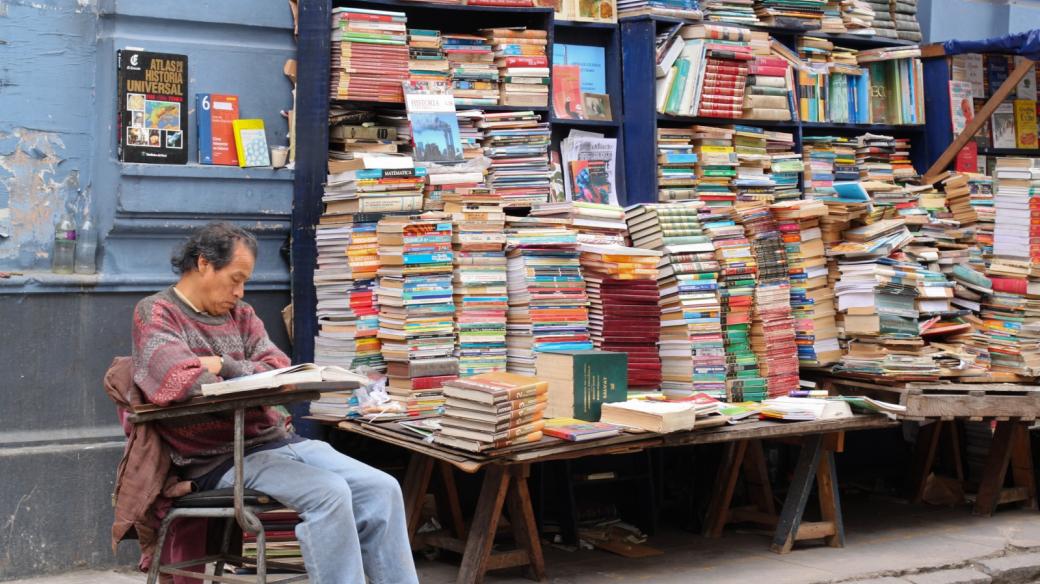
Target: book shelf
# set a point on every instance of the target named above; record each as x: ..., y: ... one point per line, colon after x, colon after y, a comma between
x: 312, y: 110
x: 641, y: 118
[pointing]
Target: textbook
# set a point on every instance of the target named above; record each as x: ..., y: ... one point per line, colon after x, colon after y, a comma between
x: 303, y: 373
x: 152, y: 89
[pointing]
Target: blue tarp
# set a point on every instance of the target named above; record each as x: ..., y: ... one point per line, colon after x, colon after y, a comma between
x: 1026, y: 44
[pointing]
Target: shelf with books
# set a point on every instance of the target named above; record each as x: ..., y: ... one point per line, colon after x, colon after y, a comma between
x: 450, y: 9
x: 1026, y: 152
x: 581, y: 24
x: 639, y: 35
x: 585, y: 123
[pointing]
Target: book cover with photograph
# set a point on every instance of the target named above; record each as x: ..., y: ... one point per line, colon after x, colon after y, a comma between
x: 152, y: 114
x: 566, y: 87
x: 1002, y: 125
x: 435, y: 126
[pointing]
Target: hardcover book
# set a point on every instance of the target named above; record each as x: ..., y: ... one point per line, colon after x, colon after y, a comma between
x: 1025, y: 124
x: 580, y: 381
x: 152, y: 89
x: 214, y: 115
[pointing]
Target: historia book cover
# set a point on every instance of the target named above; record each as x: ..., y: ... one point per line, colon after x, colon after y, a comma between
x: 152, y: 90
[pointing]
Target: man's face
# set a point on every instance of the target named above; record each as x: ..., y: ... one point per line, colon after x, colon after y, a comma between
x: 223, y: 288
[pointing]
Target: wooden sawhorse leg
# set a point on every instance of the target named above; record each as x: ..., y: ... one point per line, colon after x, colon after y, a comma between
x: 749, y: 456
x: 1010, y: 446
x: 416, y: 486
x: 928, y: 438
x: 815, y: 460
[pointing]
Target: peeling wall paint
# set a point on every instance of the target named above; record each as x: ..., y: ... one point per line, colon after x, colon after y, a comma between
x: 31, y: 183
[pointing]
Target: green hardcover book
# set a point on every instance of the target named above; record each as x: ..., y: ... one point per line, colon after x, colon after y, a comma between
x: 581, y: 381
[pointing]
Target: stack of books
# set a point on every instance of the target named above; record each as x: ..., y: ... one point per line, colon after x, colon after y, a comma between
x: 904, y: 13
x: 470, y: 132
x: 708, y: 74
x: 716, y: 165
x: 730, y: 11
x: 624, y: 316
x: 828, y: 159
x: 1016, y: 242
x: 354, y: 133
x: 397, y: 187
x: 772, y: 324
x: 858, y: 17
x: 874, y: 158
x: 785, y: 166
x: 752, y: 182
x: 693, y: 354
x: 548, y: 306
x: 737, y: 278
x: 981, y: 197
x: 594, y: 223
x: 1010, y: 323
x: 523, y: 66
x: 492, y: 411
x: 721, y: 91
x: 473, y: 72
x: 686, y: 9
x: 426, y: 60
x: 481, y: 300
x: 812, y: 299
x: 416, y: 311
x: 792, y: 14
x: 832, y: 22
x: 676, y: 165
x: 518, y: 145
x: 766, y: 96
x: 884, y: 24
x: 369, y: 55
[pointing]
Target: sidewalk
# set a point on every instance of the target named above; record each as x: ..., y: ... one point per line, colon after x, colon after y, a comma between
x: 886, y: 543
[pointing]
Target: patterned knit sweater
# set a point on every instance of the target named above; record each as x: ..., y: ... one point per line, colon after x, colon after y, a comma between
x: 169, y: 337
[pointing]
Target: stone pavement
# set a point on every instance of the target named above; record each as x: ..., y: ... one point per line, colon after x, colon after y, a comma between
x: 886, y: 543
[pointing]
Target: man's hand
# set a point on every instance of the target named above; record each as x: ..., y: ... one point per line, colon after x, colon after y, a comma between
x: 212, y: 364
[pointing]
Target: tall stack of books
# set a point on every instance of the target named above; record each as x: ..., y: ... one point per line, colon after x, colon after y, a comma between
x: 884, y: 25
x: 594, y: 223
x: 1016, y: 241
x: 828, y: 159
x: 793, y: 14
x: 481, y: 300
x: 518, y: 145
x: 523, y: 66
x: 785, y: 166
x: 374, y: 190
x: 737, y: 278
x: 624, y: 316
x: 752, y: 182
x: 832, y: 21
x: 1010, y: 322
x: 492, y: 411
x: 369, y: 55
x: 766, y: 96
x: 676, y: 165
x: 772, y: 324
x: 981, y: 187
x: 812, y: 299
x: 693, y: 354
x: 734, y: 11
x: 426, y: 60
x: 416, y: 311
x: 725, y: 76
x: 446, y: 181
x: 716, y: 165
x: 548, y: 306
x: 858, y: 17
x: 470, y: 132
x: 874, y: 157
x: 473, y: 72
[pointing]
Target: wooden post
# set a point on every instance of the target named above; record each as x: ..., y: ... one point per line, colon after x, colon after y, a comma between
x: 995, y: 470
x: 725, y: 482
x: 521, y: 518
x: 923, y: 460
x: 414, y: 488
x: 980, y: 118
x: 481, y: 536
x: 798, y: 494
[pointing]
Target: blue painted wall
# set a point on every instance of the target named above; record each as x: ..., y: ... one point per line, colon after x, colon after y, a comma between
x: 59, y: 441
x: 943, y: 20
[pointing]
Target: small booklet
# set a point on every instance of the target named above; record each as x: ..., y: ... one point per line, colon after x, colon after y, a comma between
x: 301, y: 374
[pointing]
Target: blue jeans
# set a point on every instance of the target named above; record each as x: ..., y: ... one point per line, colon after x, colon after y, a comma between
x: 353, y: 515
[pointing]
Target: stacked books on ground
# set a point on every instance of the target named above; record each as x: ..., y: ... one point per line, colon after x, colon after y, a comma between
x: 812, y: 299
x: 518, y: 145
x: 737, y: 278
x: 426, y: 60
x: 369, y: 55
x: 676, y: 165
x: 548, y: 306
x: 624, y: 316
x: 474, y: 76
x: 481, y: 300
x: 492, y: 411
x: 693, y: 354
x: 772, y: 325
x: 416, y: 310
x: 523, y: 66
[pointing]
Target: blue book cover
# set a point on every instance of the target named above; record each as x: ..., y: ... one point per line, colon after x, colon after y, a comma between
x: 590, y: 59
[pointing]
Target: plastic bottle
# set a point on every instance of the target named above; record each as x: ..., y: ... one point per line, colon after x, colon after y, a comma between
x: 86, y: 247
x: 63, y: 256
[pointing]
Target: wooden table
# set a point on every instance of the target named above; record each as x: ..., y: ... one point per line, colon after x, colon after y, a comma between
x: 1012, y: 406
x: 505, y: 484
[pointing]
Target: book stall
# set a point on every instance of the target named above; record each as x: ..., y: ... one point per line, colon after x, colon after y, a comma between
x: 751, y: 237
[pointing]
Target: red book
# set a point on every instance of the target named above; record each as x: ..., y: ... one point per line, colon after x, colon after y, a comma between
x: 1009, y: 285
x: 364, y: 16
x: 521, y: 61
x: 512, y: 3
x: 768, y: 71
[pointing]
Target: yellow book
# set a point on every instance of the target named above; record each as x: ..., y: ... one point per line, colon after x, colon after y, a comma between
x: 251, y: 143
x: 1025, y: 123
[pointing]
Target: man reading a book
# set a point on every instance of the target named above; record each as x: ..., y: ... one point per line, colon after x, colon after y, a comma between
x: 200, y: 331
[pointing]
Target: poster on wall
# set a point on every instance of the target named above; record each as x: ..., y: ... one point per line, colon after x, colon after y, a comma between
x: 152, y: 90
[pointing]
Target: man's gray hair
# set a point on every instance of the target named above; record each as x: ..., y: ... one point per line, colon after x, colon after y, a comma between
x: 215, y: 242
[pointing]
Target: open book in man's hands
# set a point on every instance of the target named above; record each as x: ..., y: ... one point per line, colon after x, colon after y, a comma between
x: 302, y: 374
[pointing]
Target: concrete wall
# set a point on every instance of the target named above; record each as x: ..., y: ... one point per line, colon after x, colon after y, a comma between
x: 59, y: 443
x: 943, y: 20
